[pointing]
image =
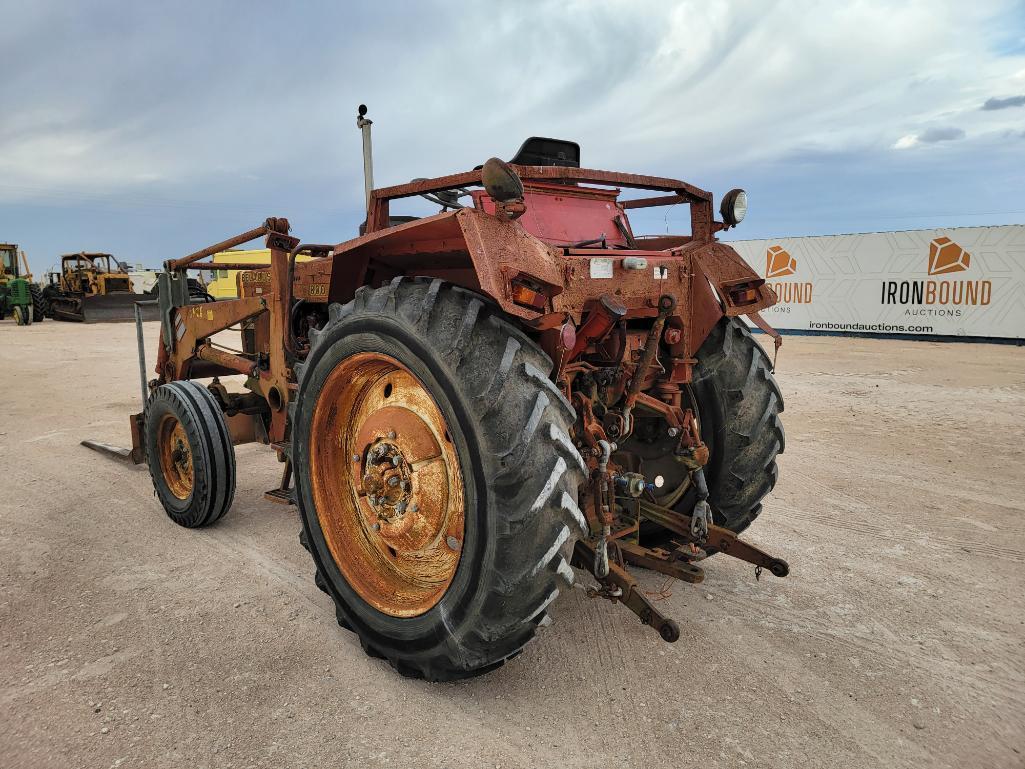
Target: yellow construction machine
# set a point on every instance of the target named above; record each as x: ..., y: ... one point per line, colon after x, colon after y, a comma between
x: 93, y: 287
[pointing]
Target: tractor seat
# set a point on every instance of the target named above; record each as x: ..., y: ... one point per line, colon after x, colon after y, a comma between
x: 541, y: 151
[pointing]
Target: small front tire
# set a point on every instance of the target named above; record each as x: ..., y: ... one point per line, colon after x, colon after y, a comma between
x: 190, y: 454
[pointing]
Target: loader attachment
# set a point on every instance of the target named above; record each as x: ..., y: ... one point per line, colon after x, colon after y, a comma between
x: 109, y: 450
x: 111, y: 308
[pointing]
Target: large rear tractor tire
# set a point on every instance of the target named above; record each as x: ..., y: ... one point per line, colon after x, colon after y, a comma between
x: 738, y: 404
x: 190, y: 454
x: 435, y: 477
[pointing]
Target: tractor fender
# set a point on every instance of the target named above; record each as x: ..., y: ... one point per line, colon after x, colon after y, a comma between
x: 739, y: 287
x: 493, y: 256
x: 468, y: 248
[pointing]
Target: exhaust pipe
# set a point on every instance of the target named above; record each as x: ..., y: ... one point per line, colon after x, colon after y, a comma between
x: 368, y: 154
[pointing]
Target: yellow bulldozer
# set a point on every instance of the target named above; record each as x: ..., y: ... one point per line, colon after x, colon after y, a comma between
x: 91, y: 288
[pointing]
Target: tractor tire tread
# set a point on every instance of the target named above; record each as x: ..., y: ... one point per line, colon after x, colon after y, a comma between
x: 213, y: 457
x: 732, y: 363
x: 41, y: 307
x: 521, y: 422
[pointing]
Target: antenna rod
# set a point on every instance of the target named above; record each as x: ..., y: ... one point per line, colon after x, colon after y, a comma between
x: 368, y: 154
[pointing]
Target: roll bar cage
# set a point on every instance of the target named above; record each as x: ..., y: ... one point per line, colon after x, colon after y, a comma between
x: 702, y: 224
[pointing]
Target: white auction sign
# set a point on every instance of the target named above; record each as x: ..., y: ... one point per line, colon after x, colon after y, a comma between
x: 962, y: 281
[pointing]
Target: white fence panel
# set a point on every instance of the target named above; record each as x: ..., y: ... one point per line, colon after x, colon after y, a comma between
x: 963, y: 281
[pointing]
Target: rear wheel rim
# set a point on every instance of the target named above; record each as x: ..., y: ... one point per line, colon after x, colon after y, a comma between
x: 175, y: 457
x: 387, y: 484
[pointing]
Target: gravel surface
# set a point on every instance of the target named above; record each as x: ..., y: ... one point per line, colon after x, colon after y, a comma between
x: 897, y: 641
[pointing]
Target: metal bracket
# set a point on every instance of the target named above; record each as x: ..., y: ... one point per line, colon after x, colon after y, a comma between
x: 619, y: 585
x: 662, y: 561
x: 718, y: 538
x: 114, y: 452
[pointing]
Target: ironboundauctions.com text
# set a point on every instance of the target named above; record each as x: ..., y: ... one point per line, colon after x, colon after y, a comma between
x: 884, y: 328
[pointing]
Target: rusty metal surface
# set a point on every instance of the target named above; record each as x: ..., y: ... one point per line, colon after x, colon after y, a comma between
x: 136, y: 428
x: 501, y: 251
x: 274, y: 383
x: 135, y: 455
x: 387, y: 484
x: 283, y: 493
x: 197, y: 322
x: 175, y: 457
x: 661, y: 561
x: 314, y: 250
x: 107, y: 449
x: 483, y: 252
x: 666, y: 305
x: 237, y: 363
x: 717, y: 537
x: 201, y: 321
x: 621, y: 586
x: 725, y: 541
x: 548, y: 173
x: 227, y: 266
x: 243, y: 428
x: 777, y: 338
x: 272, y: 224
x: 654, y: 202
x: 725, y: 267
x: 705, y: 312
x: 563, y: 215
x: 563, y: 260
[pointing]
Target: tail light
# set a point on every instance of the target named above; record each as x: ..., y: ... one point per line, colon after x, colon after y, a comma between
x: 528, y: 295
x: 744, y: 293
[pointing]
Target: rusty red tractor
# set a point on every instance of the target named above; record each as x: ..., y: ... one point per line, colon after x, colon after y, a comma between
x: 475, y: 408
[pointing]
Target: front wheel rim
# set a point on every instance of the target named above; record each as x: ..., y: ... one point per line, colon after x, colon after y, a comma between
x: 175, y: 457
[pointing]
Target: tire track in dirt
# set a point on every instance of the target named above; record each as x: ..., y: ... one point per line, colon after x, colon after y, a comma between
x: 918, y: 538
x: 890, y: 532
x: 1005, y: 682
x: 247, y: 548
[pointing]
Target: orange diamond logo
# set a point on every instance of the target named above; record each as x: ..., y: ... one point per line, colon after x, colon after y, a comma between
x: 779, y: 263
x: 946, y: 256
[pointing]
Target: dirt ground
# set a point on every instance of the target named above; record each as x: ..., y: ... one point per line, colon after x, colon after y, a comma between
x: 898, y: 640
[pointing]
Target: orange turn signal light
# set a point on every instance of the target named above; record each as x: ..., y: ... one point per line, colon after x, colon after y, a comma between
x: 526, y: 296
x: 744, y: 294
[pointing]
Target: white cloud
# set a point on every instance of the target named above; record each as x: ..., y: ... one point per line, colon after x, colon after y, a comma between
x: 931, y: 135
x: 693, y: 83
x: 203, y: 102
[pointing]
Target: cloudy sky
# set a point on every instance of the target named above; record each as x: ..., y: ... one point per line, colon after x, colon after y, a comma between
x: 153, y: 129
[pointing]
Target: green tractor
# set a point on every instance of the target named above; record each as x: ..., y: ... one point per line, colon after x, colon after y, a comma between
x: 15, y: 285
x: 18, y: 299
